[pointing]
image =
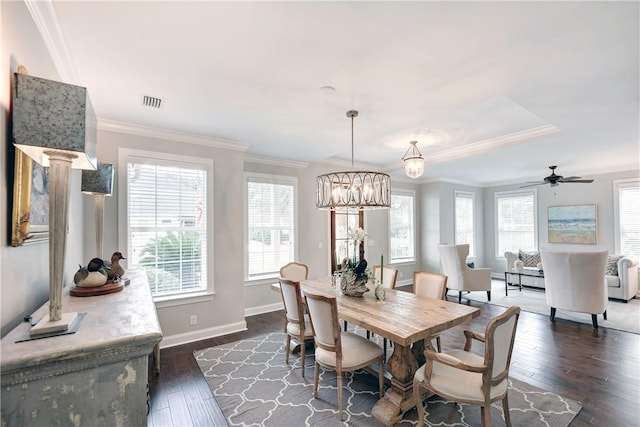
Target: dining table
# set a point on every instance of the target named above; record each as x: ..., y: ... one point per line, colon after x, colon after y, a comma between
x: 404, y: 318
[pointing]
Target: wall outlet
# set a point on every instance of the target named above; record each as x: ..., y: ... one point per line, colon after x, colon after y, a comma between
x: 193, y: 320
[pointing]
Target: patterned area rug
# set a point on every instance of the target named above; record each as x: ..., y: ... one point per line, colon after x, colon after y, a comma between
x: 253, y: 386
x: 621, y: 316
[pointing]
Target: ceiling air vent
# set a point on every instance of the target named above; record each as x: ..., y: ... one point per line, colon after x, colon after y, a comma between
x: 151, y: 101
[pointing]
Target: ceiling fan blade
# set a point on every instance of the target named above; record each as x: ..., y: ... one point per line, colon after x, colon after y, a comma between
x: 533, y: 184
x: 571, y: 178
x: 584, y: 181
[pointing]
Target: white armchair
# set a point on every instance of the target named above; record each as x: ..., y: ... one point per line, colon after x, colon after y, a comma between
x: 461, y: 277
x: 574, y: 281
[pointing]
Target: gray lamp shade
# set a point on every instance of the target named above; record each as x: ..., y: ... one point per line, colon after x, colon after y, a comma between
x: 99, y: 181
x: 49, y: 115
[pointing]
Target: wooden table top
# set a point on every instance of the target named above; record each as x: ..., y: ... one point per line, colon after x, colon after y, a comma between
x: 402, y: 317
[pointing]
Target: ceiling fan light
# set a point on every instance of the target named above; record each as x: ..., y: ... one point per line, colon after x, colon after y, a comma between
x: 413, y: 161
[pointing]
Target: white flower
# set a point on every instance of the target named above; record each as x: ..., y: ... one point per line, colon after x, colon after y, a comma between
x: 358, y: 234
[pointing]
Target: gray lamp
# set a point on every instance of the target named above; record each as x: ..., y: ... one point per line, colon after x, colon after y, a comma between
x: 54, y: 124
x: 98, y: 183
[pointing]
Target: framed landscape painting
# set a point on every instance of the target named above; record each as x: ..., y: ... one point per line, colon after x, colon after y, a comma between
x: 573, y: 224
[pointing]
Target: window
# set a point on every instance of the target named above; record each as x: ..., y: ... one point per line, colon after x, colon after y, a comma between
x: 342, y: 224
x: 464, y: 219
x: 402, y: 227
x: 626, y: 220
x: 516, y: 221
x: 271, y: 218
x: 166, y: 210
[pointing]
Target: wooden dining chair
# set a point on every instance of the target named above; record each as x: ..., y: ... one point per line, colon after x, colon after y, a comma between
x: 430, y: 284
x: 298, y: 324
x: 294, y: 271
x: 465, y: 377
x: 336, y: 350
x: 389, y: 276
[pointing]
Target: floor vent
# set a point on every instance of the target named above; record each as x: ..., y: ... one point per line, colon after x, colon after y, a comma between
x: 151, y: 101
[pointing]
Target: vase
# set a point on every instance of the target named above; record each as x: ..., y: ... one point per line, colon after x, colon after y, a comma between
x: 380, y: 292
x: 351, y: 286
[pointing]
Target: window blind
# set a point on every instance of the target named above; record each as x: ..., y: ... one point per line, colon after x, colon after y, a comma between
x: 167, y: 224
x: 516, y: 226
x: 464, y: 220
x: 401, y: 228
x: 629, y: 200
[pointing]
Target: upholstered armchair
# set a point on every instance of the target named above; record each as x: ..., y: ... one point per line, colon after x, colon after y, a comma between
x: 465, y: 377
x: 461, y: 277
x: 574, y: 281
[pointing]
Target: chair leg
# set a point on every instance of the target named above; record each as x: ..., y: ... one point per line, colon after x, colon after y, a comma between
x: 552, y: 316
x: 345, y: 326
x: 485, y: 414
x: 302, y: 346
x: 286, y: 349
x: 384, y: 348
x: 505, y: 409
x: 419, y: 405
x: 459, y: 297
x: 438, y: 345
x: 316, y: 374
x: 605, y: 315
x: 594, y: 320
x: 489, y: 295
x: 340, y: 394
x: 368, y: 335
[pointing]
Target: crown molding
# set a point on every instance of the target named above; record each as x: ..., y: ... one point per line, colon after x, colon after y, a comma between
x: 170, y: 135
x: 273, y: 161
x: 45, y: 17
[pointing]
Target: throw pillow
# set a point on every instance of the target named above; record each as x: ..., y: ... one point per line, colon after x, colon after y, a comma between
x: 530, y: 259
x: 612, y: 265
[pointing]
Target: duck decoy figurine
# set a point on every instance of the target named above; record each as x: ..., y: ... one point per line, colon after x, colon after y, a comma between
x: 116, y: 272
x: 94, y: 274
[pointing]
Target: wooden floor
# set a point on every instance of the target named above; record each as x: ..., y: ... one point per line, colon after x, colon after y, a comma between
x: 599, y: 368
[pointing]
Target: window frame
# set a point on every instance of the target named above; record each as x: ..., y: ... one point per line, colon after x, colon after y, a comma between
x: 274, y: 179
x: 407, y: 260
x: 514, y: 193
x: 467, y: 195
x: 129, y: 155
x: 618, y: 184
x: 332, y: 237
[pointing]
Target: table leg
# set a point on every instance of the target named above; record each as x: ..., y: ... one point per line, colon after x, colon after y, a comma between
x: 399, y: 397
x: 506, y: 285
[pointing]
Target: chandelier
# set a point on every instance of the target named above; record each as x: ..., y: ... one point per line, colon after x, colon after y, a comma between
x: 353, y: 189
x: 413, y: 161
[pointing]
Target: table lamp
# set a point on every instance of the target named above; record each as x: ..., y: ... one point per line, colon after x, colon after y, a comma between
x: 54, y: 124
x: 98, y: 183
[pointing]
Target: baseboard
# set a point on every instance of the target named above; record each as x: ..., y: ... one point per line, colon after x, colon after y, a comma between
x: 261, y: 309
x: 201, y: 334
x: 404, y: 282
x: 497, y: 275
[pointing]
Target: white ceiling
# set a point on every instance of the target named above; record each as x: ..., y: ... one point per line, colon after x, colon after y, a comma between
x: 493, y: 92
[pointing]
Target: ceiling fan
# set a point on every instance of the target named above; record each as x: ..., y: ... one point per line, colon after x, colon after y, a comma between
x: 554, y: 179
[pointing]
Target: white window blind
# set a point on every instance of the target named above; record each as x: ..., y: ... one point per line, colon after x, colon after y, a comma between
x: 402, y: 228
x: 464, y: 220
x: 629, y: 219
x: 167, y: 225
x: 271, y: 224
x: 516, y: 221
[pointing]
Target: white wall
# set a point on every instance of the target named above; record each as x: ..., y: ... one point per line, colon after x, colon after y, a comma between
x: 600, y: 192
x: 24, y: 277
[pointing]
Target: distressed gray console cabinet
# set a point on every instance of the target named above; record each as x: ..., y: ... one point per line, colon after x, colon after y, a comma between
x: 95, y: 377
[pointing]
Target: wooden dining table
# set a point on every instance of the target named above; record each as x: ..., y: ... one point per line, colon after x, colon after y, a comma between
x: 407, y: 320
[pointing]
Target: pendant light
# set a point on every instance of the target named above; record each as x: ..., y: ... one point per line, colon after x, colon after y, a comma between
x: 413, y: 161
x: 353, y: 189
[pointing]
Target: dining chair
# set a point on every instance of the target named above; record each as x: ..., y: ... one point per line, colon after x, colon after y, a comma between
x: 389, y: 276
x: 465, y: 377
x: 337, y: 350
x: 298, y: 324
x: 294, y: 271
x: 430, y: 284
x: 461, y: 277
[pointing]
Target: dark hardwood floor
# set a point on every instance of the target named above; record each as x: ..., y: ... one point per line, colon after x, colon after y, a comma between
x: 599, y: 368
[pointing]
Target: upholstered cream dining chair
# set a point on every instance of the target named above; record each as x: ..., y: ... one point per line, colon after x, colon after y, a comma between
x: 298, y: 324
x: 336, y: 350
x: 463, y: 376
x: 460, y: 276
x: 430, y: 284
x: 575, y: 281
x: 389, y: 276
x: 294, y: 271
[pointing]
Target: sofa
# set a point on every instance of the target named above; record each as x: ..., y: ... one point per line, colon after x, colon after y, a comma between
x: 621, y: 275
